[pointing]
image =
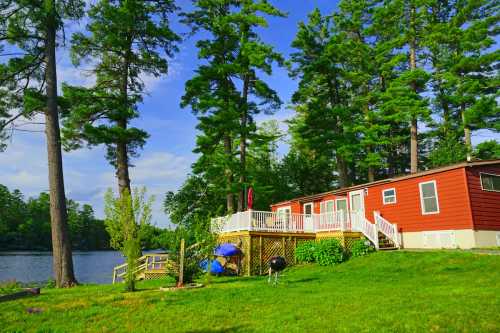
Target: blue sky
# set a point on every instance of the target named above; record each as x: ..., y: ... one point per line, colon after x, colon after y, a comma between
x: 167, y: 156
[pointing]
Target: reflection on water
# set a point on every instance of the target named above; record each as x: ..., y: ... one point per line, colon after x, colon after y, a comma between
x: 90, y: 267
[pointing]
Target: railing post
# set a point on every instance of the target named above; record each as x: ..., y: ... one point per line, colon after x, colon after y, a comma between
x: 396, y: 235
x: 375, y: 228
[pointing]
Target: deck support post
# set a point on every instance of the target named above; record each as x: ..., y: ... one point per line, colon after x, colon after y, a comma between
x: 260, y: 254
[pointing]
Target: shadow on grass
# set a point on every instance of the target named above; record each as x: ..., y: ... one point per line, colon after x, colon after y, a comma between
x: 237, y: 328
x: 233, y: 279
x: 303, y: 280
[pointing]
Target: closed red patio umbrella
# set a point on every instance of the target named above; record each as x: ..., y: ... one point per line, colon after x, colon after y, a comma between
x: 250, y: 198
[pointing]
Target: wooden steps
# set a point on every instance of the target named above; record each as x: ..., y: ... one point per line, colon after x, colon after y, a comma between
x: 385, y: 244
x: 149, y: 267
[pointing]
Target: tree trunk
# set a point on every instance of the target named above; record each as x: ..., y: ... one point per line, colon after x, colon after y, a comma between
x: 369, y: 148
x: 467, y: 132
x: 446, y: 112
x: 61, y: 243
x: 243, y: 143
x: 333, y: 95
x: 414, y: 122
x: 122, y: 172
x: 343, y: 173
x: 229, y: 174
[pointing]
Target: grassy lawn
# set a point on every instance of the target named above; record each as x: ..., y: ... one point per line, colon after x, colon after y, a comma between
x: 384, y: 292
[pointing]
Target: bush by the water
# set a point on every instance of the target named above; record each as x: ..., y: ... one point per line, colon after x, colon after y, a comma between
x: 361, y: 248
x: 305, y: 251
x: 329, y: 252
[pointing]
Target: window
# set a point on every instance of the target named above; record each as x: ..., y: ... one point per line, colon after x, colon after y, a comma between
x: 326, y: 206
x: 428, y: 198
x: 490, y: 182
x: 283, y: 214
x: 308, y: 208
x: 389, y: 196
x: 342, y: 205
x: 284, y: 210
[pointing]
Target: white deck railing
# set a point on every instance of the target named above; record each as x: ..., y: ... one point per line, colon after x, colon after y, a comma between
x: 338, y: 220
x: 262, y: 221
x: 388, y: 229
x: 361, y: 224
x: 332, y: 221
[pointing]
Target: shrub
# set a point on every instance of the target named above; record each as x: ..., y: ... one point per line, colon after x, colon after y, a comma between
x: 305, y: 251
x: 126, y: 216
x: 361, y: 247
x: 329, y: 252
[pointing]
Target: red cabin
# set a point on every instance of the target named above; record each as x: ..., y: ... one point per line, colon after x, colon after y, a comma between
x: 456, y: 206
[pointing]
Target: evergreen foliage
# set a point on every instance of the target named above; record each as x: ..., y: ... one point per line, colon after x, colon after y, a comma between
x: 374, y: 72
x: 25, y: 223
x: 226, y: 91
x: 126, y: 40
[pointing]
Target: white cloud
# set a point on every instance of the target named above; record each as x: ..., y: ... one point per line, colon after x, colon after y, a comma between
x: 71, y: 75
x: 88, y: 175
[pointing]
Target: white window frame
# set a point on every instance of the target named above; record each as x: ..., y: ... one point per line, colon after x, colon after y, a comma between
x: 481, y: 181
x: 383, y: 196
x: 324, y: 204
x: 346, y: 203
x: 422, y: 207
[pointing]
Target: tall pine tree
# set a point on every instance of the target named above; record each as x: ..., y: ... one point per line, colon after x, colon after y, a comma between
x: 127, y: 39
x: 32, y: 28
x: 226, y: 91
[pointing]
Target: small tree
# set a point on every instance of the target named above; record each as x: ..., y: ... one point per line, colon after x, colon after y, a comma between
x: 126, y: 217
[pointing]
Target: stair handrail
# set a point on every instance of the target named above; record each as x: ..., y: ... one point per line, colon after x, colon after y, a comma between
x: 361, y: 224
x: 390, y: 230
x: 142, y: 265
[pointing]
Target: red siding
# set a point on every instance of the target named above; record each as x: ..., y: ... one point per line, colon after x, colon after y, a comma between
x: 295, y: 206
x: 485, y: 205
x: 454, y: 211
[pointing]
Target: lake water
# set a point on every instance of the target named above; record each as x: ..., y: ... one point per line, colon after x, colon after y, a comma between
x: 27, y: 266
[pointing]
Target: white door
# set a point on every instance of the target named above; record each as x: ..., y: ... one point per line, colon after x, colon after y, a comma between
x: 308, y: 217
x: 357, y: 207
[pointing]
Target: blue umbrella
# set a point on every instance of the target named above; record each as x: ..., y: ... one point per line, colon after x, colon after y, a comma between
x: 227, y: 250
x: 215, y: 267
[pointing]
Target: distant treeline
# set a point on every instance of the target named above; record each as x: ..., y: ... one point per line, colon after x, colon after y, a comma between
x: 25, y: 225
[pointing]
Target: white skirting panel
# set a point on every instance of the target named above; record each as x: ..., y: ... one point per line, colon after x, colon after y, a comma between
x: 450, y: 239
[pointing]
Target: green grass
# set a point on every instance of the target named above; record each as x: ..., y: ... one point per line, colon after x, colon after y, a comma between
x: 9, y: 287
x: 384, y: 292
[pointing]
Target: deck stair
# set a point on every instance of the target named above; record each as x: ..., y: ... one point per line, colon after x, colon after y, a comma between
x: 384, y: 243
x: 149, y: 266
x: 388, y: 235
